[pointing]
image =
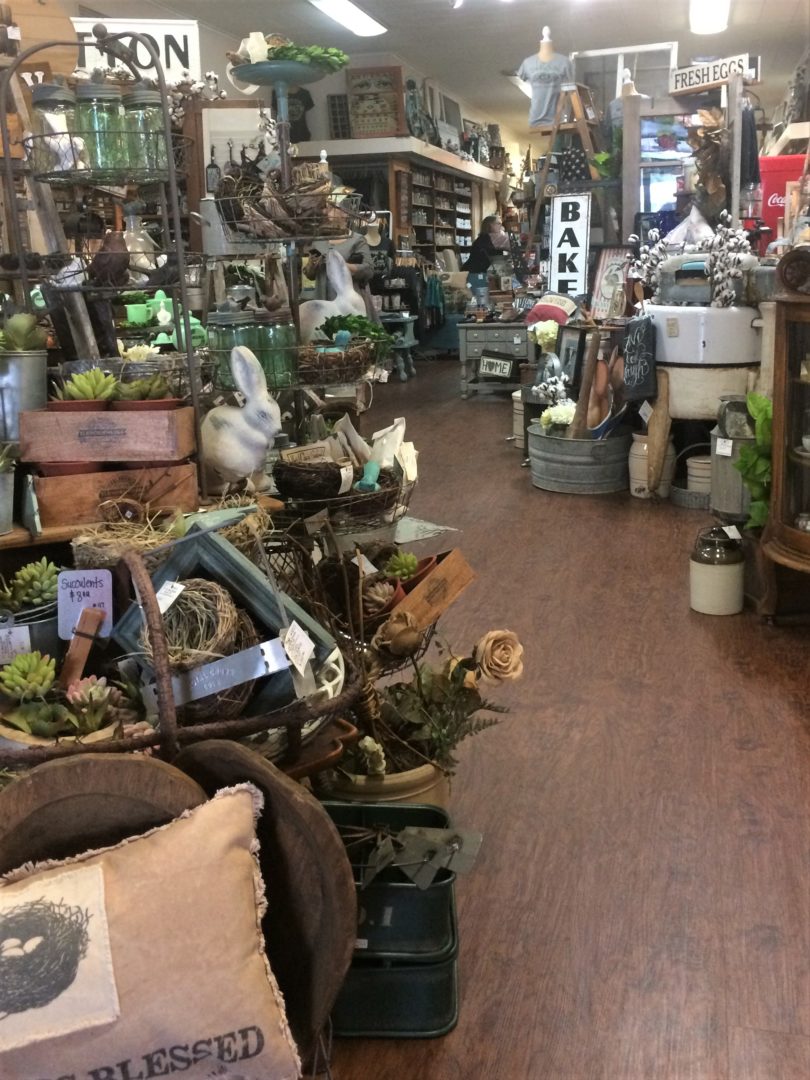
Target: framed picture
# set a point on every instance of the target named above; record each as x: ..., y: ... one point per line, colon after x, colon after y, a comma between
x: 376, y: 102
x: 449, y: 137
x: 610, y: 272
x: 571, y: 351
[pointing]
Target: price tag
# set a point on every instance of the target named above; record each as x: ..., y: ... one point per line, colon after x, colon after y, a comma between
x: 14, y: 33
x: 80, y: 589
x: 724, y: 447
x: 365, y: 565
x: 406, y: 456
x: 516, y: 339
x: 645, y: 411
x: 13, y: 641
x: 167, y: 594
x: 346, y: 479
x: 298, y: 646
x: 732, y: 531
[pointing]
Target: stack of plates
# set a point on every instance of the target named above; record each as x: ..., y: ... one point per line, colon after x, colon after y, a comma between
x: 699, y: 473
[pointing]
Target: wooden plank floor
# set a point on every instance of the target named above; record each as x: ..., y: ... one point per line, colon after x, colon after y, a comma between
x: 641, y: 906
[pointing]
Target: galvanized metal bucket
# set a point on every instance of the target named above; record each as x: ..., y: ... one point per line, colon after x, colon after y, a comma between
x: 579, y: 466
x: 42, y: 623
x: 730, y: 497
x: 23, y: 385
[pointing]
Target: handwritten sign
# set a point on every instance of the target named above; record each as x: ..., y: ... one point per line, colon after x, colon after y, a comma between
x: 13, y: 641
x: 80, y: 589
x: 298, y: 646
x: 639, y: 359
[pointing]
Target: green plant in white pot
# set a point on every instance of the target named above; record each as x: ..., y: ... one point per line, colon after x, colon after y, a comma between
x: 7, y: 464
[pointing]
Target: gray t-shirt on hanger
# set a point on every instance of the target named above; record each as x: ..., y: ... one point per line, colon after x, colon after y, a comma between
x: 546, y: 78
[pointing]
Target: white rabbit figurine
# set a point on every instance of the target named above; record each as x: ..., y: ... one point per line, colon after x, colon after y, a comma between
x: 314, y: 313
x: 235, y: 439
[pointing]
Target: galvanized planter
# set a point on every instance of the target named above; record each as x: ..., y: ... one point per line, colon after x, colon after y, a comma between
x: 579, y: 466
x: 23, y: 386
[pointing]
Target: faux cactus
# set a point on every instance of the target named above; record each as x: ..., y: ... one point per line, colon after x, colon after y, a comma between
x: 92, y: 385
x: 27, y: 676
x: 402, y: 565
x: 33, y: 585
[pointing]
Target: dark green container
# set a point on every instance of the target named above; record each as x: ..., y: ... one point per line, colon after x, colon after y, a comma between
x: 396, y: 919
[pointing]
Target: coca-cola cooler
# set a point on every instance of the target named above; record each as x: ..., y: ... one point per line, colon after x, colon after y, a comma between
x: 776, y: 172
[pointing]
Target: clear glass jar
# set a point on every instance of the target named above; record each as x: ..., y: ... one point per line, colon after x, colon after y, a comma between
x: 100, y: 122
x: 54, y: 120
x: 146, y: 135
x: 276, y: 342
x: 226, y: 330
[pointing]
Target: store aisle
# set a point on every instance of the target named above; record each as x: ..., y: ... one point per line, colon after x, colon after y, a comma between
x: 641, y: 905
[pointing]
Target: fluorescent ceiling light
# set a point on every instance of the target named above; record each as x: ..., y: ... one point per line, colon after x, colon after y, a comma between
x: 456, y: 4
x: 350, y: 15
x: 524, y: 87
x: 709, y: 16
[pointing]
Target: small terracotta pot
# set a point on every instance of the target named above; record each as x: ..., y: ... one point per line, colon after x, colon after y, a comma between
x: 371, y: 622
x: 158, y: 405
x: 423, y: 568
x: 69, y: 468
x: 78, y: 406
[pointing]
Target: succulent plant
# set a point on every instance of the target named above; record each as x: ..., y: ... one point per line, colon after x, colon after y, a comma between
x: 27, y: 676
x: 402, y: 565
x: 7, y: 461
x: 22, y: 334
x: 89, y: 701
x: 92, y: 385
x: 32, y: 585
x: 376, y: 596
x: 46, y: 719
x: 148, y: 389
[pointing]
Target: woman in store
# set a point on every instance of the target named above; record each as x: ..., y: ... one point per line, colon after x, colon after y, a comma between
x: 491, y: 241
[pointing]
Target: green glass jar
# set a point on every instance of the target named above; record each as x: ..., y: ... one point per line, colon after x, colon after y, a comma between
x: 100, y: 122
x: 276, y: 342
x: 227, y: 329
x: 54, y: 120
x: 146, y: 134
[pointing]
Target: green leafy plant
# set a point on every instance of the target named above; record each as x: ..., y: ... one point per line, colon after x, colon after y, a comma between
x: 605, y: 164
x: 357, y: 325
x: 755, y: 462
x: 7, y: 461
x: 402, y: 565
x: 38, y: 706
x: 92, y: 385
x: 317, y: 55
x: 134, y: 296
x: 31, y: 586
x: 22, y: 333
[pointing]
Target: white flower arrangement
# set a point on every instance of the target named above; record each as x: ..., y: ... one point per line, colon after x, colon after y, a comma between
x: 558, y: 415
x: 553, y: 390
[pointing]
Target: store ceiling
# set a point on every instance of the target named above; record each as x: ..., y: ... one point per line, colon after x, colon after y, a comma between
x: 466, y: 50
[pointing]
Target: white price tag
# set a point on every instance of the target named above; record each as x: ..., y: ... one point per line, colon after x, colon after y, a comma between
x: 13, y: 641
x: 365, y: 565
x: 14, y: 33
x: 406, y: 456
x: 724, y: 447
x: 167, y: 594
x: 361, y: 943
x: 645, y: 411
x: 298, y: 646
x: 516, y: 339
x: 80, y: 589
x: 346, y: 479
x: 732, y: 531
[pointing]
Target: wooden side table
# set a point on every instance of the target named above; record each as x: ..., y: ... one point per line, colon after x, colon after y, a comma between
x: 507, y: 339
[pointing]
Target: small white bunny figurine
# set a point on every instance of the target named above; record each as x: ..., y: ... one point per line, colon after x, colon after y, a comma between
x: 314, y: 313
x: 235, y: 439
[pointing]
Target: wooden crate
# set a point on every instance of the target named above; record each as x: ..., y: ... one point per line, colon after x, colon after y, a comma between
x: 74, y: 500
x: 107, y: 436
x: 434, y: 595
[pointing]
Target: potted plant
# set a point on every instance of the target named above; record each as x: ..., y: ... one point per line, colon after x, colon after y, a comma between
x: 7, y: 464
x: 755, y: 462
x: 150, y: 393
x: 35, y: 711
x: 29, y: 598
x: 23, y: 371
x: 407, y: 569
x: 85, y: 391
x: 412, y: 729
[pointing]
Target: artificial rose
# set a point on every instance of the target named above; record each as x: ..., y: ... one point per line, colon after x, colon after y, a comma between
x: 398, y: 635
x: 499, y: 656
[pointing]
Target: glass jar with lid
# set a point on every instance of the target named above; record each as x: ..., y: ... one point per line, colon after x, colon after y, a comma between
x: 54, y: 149
x: 226, y: 330
x: 100, y: 123
x: 146, y: 134
x: 276, y: 342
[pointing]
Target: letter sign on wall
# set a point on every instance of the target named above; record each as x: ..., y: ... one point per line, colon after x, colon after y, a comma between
x: 568, y: 244
x: 177, y: 42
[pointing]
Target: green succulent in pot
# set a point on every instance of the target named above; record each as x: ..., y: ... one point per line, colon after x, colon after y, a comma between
x: 152, y: 388
x: 22, y: 333
x: 33, y: 585
x: 7, y: 460
x: 92, y: 385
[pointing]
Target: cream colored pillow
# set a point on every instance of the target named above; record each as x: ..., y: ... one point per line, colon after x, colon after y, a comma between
x: 145, y: 959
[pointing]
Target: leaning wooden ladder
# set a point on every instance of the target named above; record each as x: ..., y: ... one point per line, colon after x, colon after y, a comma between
x: 41, y: 205
x: 585, y: 124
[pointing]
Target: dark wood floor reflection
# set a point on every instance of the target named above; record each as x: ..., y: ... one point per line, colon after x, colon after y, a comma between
x: 641, y: 906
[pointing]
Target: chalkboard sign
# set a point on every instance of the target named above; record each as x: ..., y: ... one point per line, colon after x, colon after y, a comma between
x: 639, y: 359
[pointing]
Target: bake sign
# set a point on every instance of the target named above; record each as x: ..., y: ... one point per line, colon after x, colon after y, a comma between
x: 568, y: 250
x: 690, y: 80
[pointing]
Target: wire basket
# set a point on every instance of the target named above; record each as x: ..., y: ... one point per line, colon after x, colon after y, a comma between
x: 172, y: 366
x: 74, y: 158
x: 317, y: 367
x: 255, y: 211
x: 356, y: 511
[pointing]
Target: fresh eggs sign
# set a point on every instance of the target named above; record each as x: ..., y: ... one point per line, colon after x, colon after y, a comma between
x: 176, y: 41
x: 696, y: 77
x: 570, y: 232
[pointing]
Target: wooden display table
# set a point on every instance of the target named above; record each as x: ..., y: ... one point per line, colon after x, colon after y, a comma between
x: 502, y: 339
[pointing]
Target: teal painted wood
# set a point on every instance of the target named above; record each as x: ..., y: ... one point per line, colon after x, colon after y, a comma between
x: 579, y: 466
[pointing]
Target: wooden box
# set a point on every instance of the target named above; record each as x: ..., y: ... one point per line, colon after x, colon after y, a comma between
x: 107, y: 436
x: 75, y: 500
x: 434, y: 595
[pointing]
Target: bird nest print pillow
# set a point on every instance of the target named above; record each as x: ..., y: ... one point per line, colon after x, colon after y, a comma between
x: 145, y: 959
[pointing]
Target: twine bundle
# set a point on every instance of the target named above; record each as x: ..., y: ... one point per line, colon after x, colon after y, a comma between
x: 102, y: 546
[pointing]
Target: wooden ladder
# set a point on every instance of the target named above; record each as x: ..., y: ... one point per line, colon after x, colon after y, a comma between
x: 585, y: 124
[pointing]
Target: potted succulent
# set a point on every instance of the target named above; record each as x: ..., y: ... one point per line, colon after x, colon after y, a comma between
x: 35, y: 711
x: 23, y: 371
x: 407, y: 569
x: 150, y: 393
x: 29, y: 598
x: 85, y: 391
x: 412, y: 729
x: 7, y: 464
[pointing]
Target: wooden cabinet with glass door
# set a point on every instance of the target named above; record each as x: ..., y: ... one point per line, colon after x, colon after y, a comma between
x: 786, y: 539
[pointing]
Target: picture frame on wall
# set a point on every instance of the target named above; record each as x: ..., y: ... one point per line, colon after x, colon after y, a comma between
x: 610, y: 272
x: 571, y: 352
x: 449, y: 136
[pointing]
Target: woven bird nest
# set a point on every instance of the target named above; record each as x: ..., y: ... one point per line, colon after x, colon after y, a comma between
x: 200, y: 625
x: 318, y: 368
x: 230, y: 703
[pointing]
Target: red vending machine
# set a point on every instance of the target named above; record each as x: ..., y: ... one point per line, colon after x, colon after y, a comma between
x: 776, y: 172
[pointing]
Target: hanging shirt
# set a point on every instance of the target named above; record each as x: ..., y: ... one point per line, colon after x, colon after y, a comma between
x: 299, y: 102
x: 546, y: 77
